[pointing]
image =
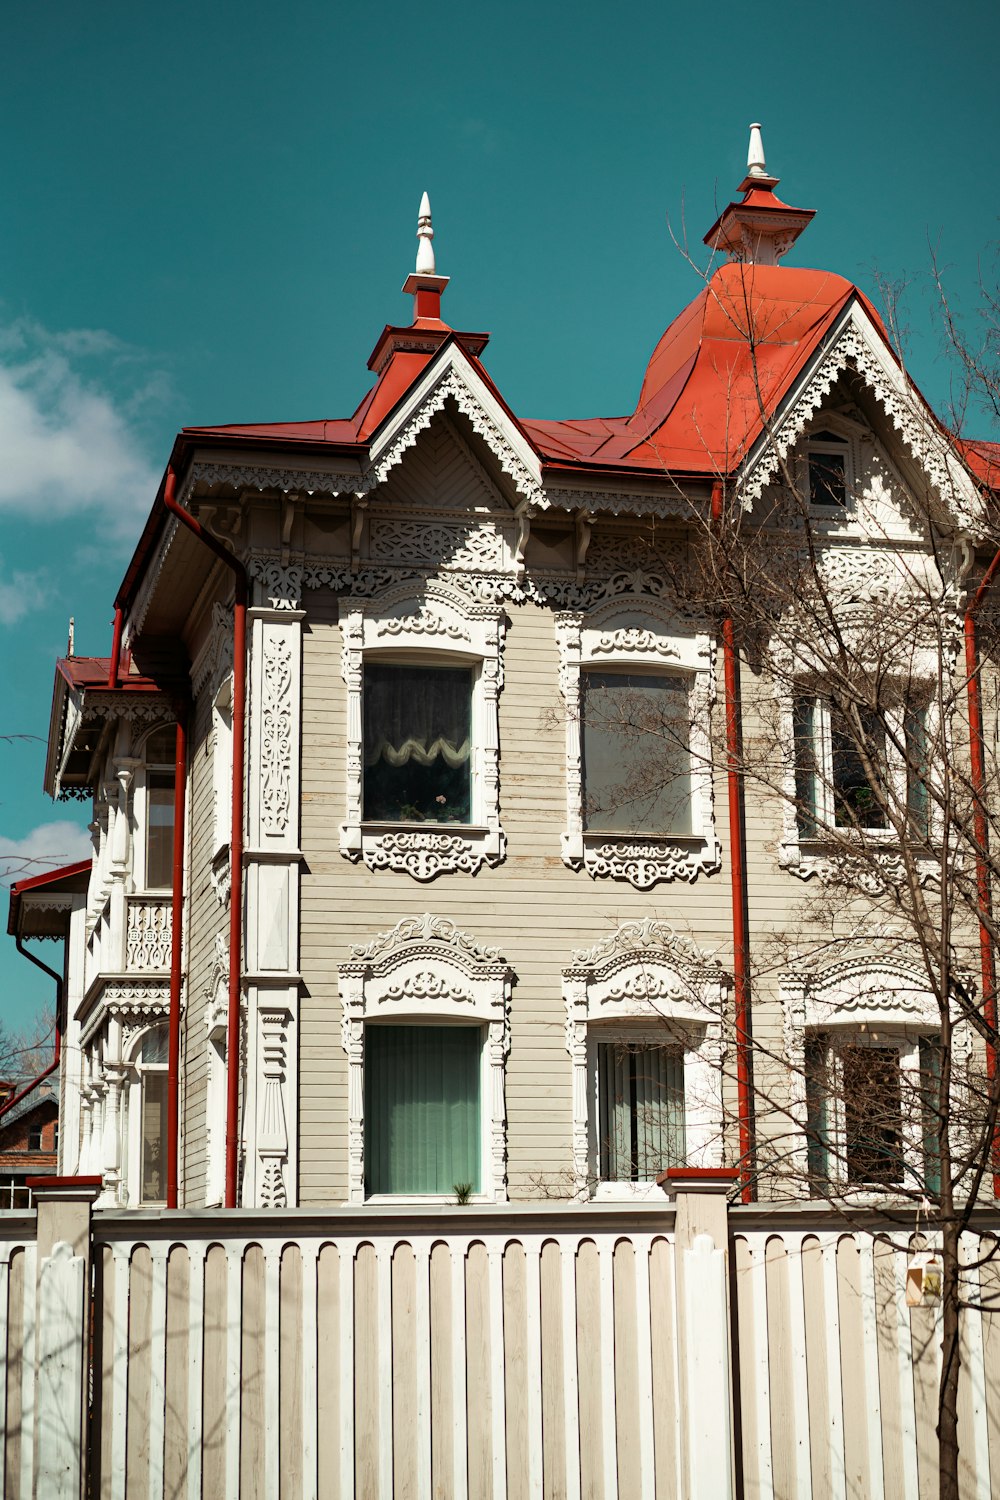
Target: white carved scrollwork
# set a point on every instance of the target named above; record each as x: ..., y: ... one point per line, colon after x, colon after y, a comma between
x: 147, y: 938
x: 646, y: 982
x: 276, y: 734
x: 595, y: 637
x: 426, y: 968
x: 435, y: 614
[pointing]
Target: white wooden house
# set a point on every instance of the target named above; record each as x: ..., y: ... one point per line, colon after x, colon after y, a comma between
x: 467, y: 966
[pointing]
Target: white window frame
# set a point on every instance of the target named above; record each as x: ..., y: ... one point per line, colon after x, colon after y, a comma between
x: 842, y: 447
x: 864, y: 1001
x: 432, y: 626
x: 140, y: 813
x: 132, y: 1173
x: 805, y: 854
x: 644, y: 984
x: 426, y: 970
x: 607, y: 639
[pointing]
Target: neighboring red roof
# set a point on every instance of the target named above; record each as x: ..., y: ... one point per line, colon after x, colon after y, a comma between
x: 51, y: 877
x: 93, y: 672
x: 983, y: 459
x: 739, y: 344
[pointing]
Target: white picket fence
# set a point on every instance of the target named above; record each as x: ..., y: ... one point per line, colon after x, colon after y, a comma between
x: 527, y: 1352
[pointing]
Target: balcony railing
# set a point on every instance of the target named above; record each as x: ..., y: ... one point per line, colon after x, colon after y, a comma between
x: 147, y: 934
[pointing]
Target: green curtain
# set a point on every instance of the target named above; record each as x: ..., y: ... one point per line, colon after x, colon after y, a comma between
x: 422, y: 1108
x: 641, y: 1107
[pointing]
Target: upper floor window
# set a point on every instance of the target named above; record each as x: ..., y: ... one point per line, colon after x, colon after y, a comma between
x: 423, y: 675
x: 636, y: 730
x: 855, y: 765
x: 638, y: 689
x: 158, y: 756
x: 828, y: 470
x: 417, y: 743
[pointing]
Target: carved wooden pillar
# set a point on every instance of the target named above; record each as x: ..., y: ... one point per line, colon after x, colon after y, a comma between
x: 270, y: 1122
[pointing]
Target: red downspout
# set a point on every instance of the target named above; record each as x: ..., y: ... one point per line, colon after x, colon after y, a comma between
x: 176, y: 932
x: 738, y: 877
x: 19, y: 945
x: 116, y: 648
x: 981, y: 834
x: 236, y: 840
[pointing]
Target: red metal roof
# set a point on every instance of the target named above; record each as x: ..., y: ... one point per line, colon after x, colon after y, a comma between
x: 51, y: 877
x: 738, y: 345
x: 93, y: 671
x: 983, y: 459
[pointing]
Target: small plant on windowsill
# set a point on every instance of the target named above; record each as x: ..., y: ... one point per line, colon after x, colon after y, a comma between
x: 463, y: 1193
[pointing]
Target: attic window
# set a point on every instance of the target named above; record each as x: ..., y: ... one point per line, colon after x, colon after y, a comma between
x: 827, y: 469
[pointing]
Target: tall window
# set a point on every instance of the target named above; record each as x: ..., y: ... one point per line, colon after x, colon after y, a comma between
x: 148, y: 1132
x: 636, y: 752
x: 422, y: 1108
x: 640, y: 1089
x: 159, y: 796
x: 417, y: 744
x: 827, y: 459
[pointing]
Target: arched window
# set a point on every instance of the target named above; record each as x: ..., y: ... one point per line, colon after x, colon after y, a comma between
x: 147, y: 1119
x: 158, y: 809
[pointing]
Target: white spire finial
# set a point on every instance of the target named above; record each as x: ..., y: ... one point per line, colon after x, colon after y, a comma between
x: 425, y: 237
x: 756, y: 166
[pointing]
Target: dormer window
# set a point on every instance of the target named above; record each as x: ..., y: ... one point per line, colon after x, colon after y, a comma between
x: 828, y: 477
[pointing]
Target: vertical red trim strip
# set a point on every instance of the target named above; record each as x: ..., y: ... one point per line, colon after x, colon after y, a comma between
x: 116, y: 649
x: 19, y: 945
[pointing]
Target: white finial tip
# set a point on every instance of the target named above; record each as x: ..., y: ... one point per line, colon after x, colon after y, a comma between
x: 425, y: 237
x: 756, y: 166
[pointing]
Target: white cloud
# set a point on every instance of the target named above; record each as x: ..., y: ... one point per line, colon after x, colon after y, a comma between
x: 45, y: 848
x: 19, y: 594
x: 69, y: 443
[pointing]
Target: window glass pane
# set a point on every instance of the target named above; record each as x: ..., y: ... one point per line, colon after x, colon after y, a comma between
x: 806, y: 768
x: 161, y: 747
x: 640, y: 1110
x: 827, y: 479
x: 153, y: 1188
x: 154, y: 1046
x: 422, y: 1108
x: 417, y: 744
x: 636, y: 753
x: 915, y: 742
x: 930, y: 1085
x: 854, y: 802
x: 817, y: 1122
x: 159, y: 829
x: 872, y: 1115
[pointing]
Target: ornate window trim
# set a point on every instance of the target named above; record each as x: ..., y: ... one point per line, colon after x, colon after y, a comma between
x: 646, y: 978
x: 440, y: 623
x: 594, y: 640
x: 828, y: 856
x: 425, y: 969
x: 879, y: 1001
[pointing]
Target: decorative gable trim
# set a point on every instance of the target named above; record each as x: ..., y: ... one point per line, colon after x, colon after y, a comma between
x: 450, y: 377
x: 857, y: 344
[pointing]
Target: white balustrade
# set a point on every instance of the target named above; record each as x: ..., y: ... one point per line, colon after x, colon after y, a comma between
x: 147, y: 942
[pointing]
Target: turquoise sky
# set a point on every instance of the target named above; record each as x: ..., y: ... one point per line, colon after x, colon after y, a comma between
x: 207, y: 211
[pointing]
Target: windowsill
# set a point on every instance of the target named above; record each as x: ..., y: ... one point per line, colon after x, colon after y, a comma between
x: 643, y: 859
x: 857, y: 857
x: 424, y: 1200
x: 429, y: 825
x: 423, y: 850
